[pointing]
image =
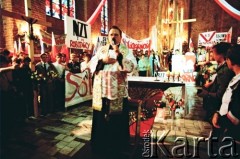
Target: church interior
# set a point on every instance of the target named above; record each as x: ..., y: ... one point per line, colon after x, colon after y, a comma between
x: 174, y: 45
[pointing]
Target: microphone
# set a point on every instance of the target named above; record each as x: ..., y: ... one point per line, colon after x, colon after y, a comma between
x: 114, y: 41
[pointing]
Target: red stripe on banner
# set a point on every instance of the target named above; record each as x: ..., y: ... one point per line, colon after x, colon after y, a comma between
x: 77, y: 87
x: 207, y: 40
x: 73, y: 83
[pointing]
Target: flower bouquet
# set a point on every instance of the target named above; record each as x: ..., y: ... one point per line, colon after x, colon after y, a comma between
x: 52, y: 74
x: 37, y: 78
x: 176, y: 106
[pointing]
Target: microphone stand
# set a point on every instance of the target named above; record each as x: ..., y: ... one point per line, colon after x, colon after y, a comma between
x: 153, y: 64
x: 157, y: 76
x: 155, y: 69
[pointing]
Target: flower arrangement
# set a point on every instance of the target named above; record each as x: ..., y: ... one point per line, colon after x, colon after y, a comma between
x: 172, y: 106
x: 173, y: 102
x: 37, y: 78
x: 52, y: 74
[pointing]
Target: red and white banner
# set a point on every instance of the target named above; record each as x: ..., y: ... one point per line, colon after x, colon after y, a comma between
x: 78, y: 87
x: 47, y: 38
x: 229, y: 9
x: 136, y: 44
x: 207, y: 38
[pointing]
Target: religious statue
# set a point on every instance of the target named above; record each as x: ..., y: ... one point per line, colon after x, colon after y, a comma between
x: 164, y: 60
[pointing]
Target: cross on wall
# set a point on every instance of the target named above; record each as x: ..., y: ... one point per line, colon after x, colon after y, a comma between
x: 179, y: 30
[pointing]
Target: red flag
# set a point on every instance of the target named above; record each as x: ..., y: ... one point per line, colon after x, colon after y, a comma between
x: 54, y: 49
x: 66, y: 52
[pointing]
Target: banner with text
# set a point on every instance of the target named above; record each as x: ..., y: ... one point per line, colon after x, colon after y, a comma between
x: 78, y: 87
x: 136, y: 44
x: 78, y: 33
x: 207, y: 39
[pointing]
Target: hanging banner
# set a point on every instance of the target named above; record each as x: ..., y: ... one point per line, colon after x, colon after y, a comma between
x: 207, y: 38
x: 78, y: 33
x: 221, y: 37
x: 46, y: 38
x: 135, y: 44
x: 78, y: 87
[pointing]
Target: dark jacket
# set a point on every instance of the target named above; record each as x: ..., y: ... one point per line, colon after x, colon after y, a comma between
x: 212, y: 101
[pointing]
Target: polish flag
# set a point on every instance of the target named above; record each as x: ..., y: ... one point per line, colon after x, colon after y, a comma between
x: 229, y: 36
x: 54, y: 49
x: 191, y: 47
x: 19, y: 46
x: 15, y: 49
x: 41, y: 43
x: 26, y: 42
x: 42, y: 46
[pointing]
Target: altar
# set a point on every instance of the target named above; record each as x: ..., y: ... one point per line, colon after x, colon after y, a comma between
x: 140, y: 86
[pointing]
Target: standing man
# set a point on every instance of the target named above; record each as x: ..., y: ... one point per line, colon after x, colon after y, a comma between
x: 213, y: 91
x: 111, y: 63
x: 46, y: 70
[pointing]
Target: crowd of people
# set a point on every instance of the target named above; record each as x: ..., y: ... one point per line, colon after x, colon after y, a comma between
x: 29, y: 90
x: 221, y: 95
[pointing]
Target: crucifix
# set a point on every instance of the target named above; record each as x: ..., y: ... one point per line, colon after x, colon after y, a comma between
x: 28, y: 18
x: 179, y: 30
